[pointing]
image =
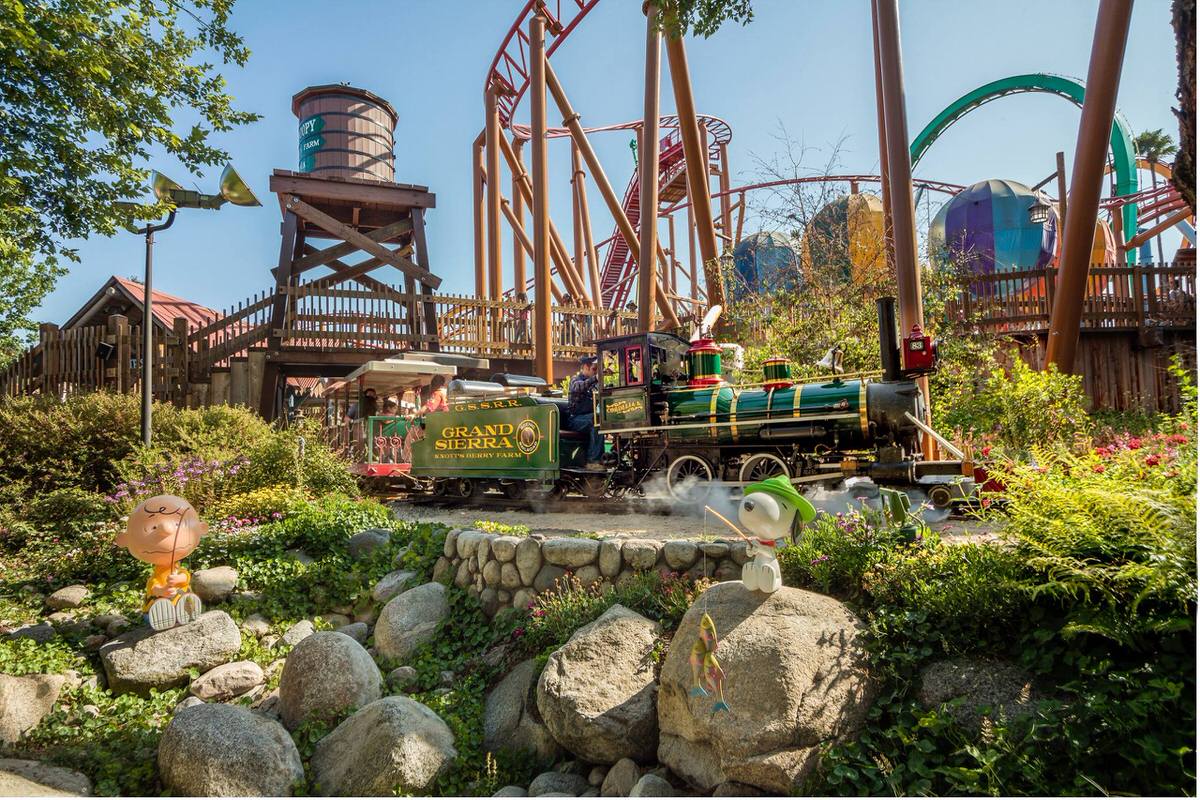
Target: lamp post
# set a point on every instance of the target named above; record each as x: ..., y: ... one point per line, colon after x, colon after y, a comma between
x: 232, y: 190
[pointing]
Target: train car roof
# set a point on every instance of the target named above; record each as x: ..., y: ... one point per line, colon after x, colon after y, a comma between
x: 388, y: 377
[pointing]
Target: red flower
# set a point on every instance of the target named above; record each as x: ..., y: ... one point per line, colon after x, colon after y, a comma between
x: 1135, y: 443
x: 1178, y: 438
x: 1097, y: 468
x: 1104, y: 452
x: 986, y: 451
x: 1153, y: 459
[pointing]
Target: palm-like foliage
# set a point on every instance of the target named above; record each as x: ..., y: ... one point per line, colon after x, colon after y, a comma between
x: 1154, y: 145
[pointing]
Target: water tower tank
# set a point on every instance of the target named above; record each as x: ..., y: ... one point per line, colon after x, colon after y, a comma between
x: 345, y: 132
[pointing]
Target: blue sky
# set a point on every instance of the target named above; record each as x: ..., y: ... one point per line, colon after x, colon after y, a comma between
x: 805, y: 64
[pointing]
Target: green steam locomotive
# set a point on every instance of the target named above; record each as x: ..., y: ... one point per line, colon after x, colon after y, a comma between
x: 671, y: 420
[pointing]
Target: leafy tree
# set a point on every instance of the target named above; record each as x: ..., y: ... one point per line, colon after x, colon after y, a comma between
x: 1154, y: 146
x: 1183, y: 20
x: 704, y: 17
x: 88, y: 90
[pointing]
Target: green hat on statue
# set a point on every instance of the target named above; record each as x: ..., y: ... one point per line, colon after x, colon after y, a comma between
x: 781, y: 488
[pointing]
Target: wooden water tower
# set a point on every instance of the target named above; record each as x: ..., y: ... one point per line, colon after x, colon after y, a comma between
x: 344, y: 195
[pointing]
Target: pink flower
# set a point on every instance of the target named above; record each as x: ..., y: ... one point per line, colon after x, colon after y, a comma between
x: 1135, y: 443
x: 1097, y: 468
x: 986, y: 451
x: 1153, y: 459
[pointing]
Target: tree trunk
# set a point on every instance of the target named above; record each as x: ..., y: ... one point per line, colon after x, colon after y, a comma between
x: 1183, y: 18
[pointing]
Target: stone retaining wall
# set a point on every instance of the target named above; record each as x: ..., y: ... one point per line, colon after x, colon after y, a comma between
x: 507, y: 571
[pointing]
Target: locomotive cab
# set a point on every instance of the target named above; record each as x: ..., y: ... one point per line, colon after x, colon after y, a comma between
x: 635, y: 372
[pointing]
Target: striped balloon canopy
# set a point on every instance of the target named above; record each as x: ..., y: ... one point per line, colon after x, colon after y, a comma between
x: 985, y: 230
x: 846, y: 235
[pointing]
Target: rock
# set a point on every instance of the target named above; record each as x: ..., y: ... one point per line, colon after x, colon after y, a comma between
x: 298, y: 555
x: 797, y: 680
x: 592, y: 792
x: 510, y: 577
x: 735, y: 789
x: 268, y: 704
x: 227, y: 681
x: 363, y: 543
x: 467, y: 541
x: 443, y: 570
x: 188, y: 702
x: 596, y: 776
x: 297, y: 633
x: 522, y: 598
x: 557, y: 783
x: 450, y: 546
x: 256, y: 625
x: 739, y: 553
x: 391, y: 585
x: 588, y: 575
x: 358, y: 631
x: 511, y: 791
x: 68, y: 597
x: 571, y: 553
x: 650, y: 785
x: 547, y: 577
x: 22, y: 778
x: 620, y: 780
x: 680, y: 554
x: 117, y: 627
x: 504, y: 548
x: 269, y: 641
x: 401, y: 554
x: 394, y: 745
x: 367, y: 614
x: 325, y: 675
x: 94, y: 641
x: 24, y: 702
x: 215, y: 584
x: 529, y: 560
x: 40, y: 633
x: 597, y: 692
x: 989, y: 688
x: 410, y: 619
x: 728, y: 571
x: 143, y: 659
x: 640, y: 554
x: 489, y: 598
x: 609, y: 559
x: 491, y: 573
x: 510, y: 716
x: 336, y: 619
x: 715, y: 550
x: 223, y: 750
x: 402, y: 677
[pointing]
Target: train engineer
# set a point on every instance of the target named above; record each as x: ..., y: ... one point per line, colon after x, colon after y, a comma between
x: 579, y: 416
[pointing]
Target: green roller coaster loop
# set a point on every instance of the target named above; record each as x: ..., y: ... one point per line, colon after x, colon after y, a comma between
x: 1121, y: 141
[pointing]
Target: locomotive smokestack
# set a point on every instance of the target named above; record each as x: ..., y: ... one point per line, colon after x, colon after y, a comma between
x: 889, y: 347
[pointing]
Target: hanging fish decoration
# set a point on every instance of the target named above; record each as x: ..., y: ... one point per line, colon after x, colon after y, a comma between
x: 707, y: 675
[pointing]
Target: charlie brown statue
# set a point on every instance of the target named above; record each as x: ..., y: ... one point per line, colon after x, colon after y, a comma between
x: 161, y: 531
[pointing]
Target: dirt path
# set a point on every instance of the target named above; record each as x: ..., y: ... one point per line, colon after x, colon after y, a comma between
x: 628, y: 524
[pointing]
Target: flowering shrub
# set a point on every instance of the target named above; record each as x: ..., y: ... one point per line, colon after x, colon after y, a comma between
x: 832, y: 553
x: 266, y: 503
x: 198, y: 480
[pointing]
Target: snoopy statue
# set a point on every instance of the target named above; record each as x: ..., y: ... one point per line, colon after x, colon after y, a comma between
x: 769, y: 509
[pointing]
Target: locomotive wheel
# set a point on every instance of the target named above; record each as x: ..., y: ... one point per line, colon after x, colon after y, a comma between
x: 761, y: 466
x: 515, y: 490
x: 941, y: 497
x: 688, y: 478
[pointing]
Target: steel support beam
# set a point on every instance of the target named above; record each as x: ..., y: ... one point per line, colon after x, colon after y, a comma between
x: 585, y: 220
x: 1087, y: 175
x: 518, y: 213
x: 492, y: 150
x: 572, y: 123
x: 543, y: 334
x: 648, y: 191
x: 696, y: 160
x: 480, y: 213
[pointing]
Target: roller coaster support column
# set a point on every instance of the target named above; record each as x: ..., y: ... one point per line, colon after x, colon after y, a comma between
x: 696, y: 160
x: 904, y: 231
x: 648, y: 192
x: 572, y: 123
x: 522, y: 241
x: 889, y: 242
x: 495, y: 263
x: 585, y: 218
x: 480, y: 212
x: 543, y: 343
x: 558, y: 250
x: 518, y: 214
x: 1087, y: 175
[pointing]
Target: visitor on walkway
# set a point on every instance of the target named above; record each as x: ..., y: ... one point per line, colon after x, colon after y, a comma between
x: 579, y: 417
x: 438, y: 401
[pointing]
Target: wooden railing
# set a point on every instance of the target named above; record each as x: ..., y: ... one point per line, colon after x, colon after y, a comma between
x: 96, y: 358
x: 1118, y: 298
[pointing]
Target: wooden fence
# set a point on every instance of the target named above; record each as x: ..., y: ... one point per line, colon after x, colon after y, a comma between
x: 1119, y: 298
